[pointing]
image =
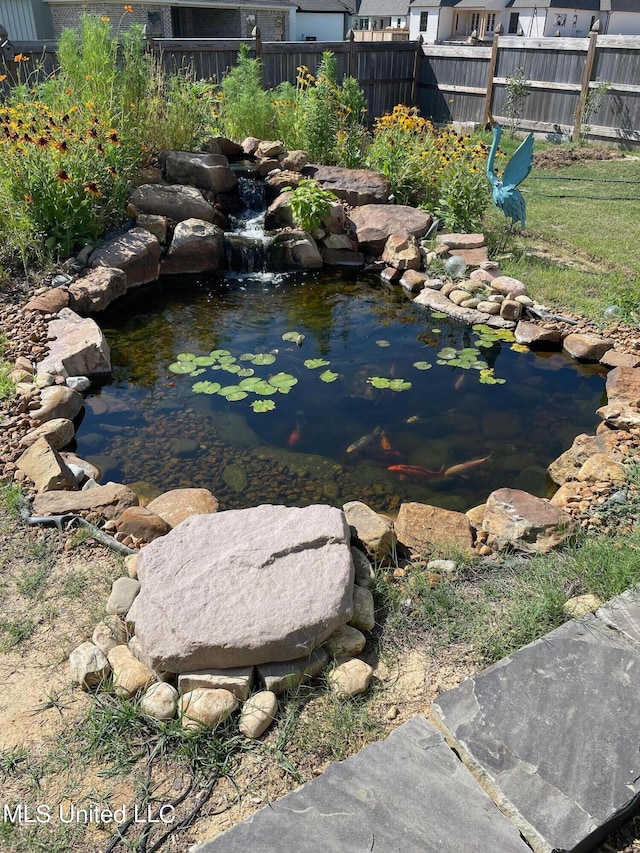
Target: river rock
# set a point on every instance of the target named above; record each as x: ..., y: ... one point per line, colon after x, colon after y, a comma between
x: 613, y: 358
x: 109, y: 501
x: 365, y: 576
x: 413, y: 280
x: 346, y: 640
x: 197, y: 246
x: 129, y: 675
x: 160, y: 701
x: 109, y: 633
x: 586, y: 347
x: 350, y: 678
x: 508, y: 286
x: 278, y: 580
x: 86, y: 469
x: 58, y: 402
x: 354, y: 186
x: 97, y: 290
x: 46, y: 468
x: 137, y: 253
x: 364, y: 617
x: 205, y: 171
x: 203, y: 708
x: 374, y: 223
x: 461, y: 241
x: 123, y: 593
x: 88, y: 666
x: 516, y: 518
x: 435, y: 300
x: 174, y: 202
x: 237, y: 680
x: 423, y: 527
x: 294, y: 250
x: 510, y: 309
x: 176, y: 505
x: 536, y: 336
x: 374, y: 531
x: 258, y: 713
x: 401, y: 251
x: 77, y: 347
x: 600, y: 467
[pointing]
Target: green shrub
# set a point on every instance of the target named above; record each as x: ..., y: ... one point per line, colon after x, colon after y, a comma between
x: 244, y: 107
x: 310, y: 204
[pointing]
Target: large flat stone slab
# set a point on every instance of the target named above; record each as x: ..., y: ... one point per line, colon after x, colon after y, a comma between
x: 407, y: 793
x: 623, y: 613
x: 244, y: 587
x: 77, y: 347
x: 552, y: 732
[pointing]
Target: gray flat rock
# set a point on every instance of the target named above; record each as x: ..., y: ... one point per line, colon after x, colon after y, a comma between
x: 552, y: 732
x: 623, y: 613
x: 407, y: 793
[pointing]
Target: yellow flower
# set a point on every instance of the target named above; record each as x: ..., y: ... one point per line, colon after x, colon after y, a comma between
x: 3, y: 77
x: 128, y: 8
x: 105, y: 19
x: 20, y: 57
x: 93, y: 188
x: 88, y: 76
x: 62, y: 175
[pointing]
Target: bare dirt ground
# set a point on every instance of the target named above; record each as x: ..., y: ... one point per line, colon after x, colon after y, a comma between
x: 558, y: 158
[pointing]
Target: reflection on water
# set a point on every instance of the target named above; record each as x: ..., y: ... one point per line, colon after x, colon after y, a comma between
x: 148, y: 426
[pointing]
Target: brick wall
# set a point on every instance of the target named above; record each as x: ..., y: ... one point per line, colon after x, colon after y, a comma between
x: 68, y: 14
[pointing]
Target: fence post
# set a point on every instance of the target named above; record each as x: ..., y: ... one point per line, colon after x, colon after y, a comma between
x: 586, y: 79
x: 351, y: 56
x: 486, y: 115
x: 416, y: 70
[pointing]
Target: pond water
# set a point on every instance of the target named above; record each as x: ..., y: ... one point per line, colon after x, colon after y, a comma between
x: 486, y: 416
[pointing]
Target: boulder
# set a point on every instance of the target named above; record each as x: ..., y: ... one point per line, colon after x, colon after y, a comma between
x: 136, y: 253
x: 88, y: 666
x: 109, y: 501
x: 342, y: 258
x: 205, y: 171
x: 250, y: 145
x: 567, y: 465
x: 461, y: 241
x: 401, y: 251
x: 364, y: 610
x: 80, y: 467
x: 129, y: 675
x: 536, y: 336
x: 586, y: 347
x: 413, y: 280
x: 517, y: 519
x: 176, y: 505
x: 97, y: 290
x: 294, y: 160
x: 197, y: 246
x: 373, y: 224
x: 613, y: 358
x: 223, y: 145
x: 365, y: 576
x: 58, y: 402
x: 601, y: 468
x: 510, y: 309
x: 49, y: 302
x: 58, y: 432
x: 279, y: 213
x: 244, y: 587
x: 46, y: 468
x: 77, y: 347
x: 142, y: 523
x: 623, y: 398
x: 258, y: 713
x: 374, y: 531
x: 202, y: 708
x: 174, y: 202
x: 269, y: 148
x: 293, y: 250
x: 426, y: 528
x: 354, y: 186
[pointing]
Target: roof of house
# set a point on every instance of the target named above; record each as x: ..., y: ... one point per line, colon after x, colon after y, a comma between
x: 578, y: 5
x: 383, y: 8
x: 345, y: 6
x: 419, y: 4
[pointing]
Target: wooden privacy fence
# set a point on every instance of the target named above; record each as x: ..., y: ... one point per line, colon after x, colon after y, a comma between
x: 470, y: 83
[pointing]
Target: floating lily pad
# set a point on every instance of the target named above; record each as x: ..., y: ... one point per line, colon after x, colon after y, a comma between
x: 283, y: 380
x: 519, y: 348
x: 216, y: 353
x: 245, y: 371
x: 441, y: 361
x: 328, y: 376
x: 233, y: 393
x: 250, y: 383
x: 439, y: 315
x: 264, y: 358
x: 237, y: 395
x: 378, y: 381
x: 399, y: 385
x: 231, y: 368
x: 448, y: 353
x: 292, y: 336
x: 203, y: 361
x: 227, y: 359
x: 312, y: 363
x: 422, y: 365
x: 382, y: 343
x: 181, y: 367
x: 246, y: 356
x: 485, y: 343
x: 264, y: 388
x: 206, y: 387
x: 472, y: 351
x: 263, y: 405
x: 198, y: 372
x: 186, y: 356
x: 436, y: 331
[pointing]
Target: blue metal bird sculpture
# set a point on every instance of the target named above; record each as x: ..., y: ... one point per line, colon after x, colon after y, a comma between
x: 504, y: 191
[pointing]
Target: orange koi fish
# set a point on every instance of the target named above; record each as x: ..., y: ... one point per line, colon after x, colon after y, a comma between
x: 385, y: 444
x: 296, y: 433
x: 416, y: 472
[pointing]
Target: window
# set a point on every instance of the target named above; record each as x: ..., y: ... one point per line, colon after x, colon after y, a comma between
x: 424, y: 17
x: 491, y: 22
x: 514, y: 23
x: 362, y: 24
x: 154, y: 23
x: 475, y: 22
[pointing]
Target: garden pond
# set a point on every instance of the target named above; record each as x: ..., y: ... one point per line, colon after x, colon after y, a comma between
x: 325, y: 388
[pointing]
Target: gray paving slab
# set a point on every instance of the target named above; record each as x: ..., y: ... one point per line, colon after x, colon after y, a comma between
x: 553, y: 733
x: 623, y: 613
x: 407, y: 794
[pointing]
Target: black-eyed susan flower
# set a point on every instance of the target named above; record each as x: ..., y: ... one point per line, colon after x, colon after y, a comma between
x: 63, y: 176
x: 93, y: 188
x: 114, y: 139
x: 128, y: 8
x: 28, y: 198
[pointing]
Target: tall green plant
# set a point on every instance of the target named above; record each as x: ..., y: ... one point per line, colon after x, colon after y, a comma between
x: 518, y: 90
x: 245, y: 108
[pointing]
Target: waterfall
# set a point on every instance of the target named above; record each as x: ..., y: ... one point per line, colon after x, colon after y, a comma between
x: 245, y: 246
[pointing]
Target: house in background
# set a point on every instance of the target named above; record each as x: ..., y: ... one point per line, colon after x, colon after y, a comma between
x: 381, y: 19
x: 26, y: 20
x: 322, y: 20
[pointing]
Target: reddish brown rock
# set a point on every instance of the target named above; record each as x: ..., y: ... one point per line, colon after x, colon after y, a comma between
x: 569, y: 493
x: 401, y: 251
x: 77, y: 347
x: 374, y: 223
x: 613, y: 358
x: 461, y: 241
x: 354, y: 186
x: 601, y: 468
x: 50, y: 302
x: 142, y: 523
x: 473, y: 257
x: 567, y: 465
x: 137, y: 253
x: 510, y: 309
x: 623, y: 398
x: 97, y: 290
x: 508, y: 286
x: 536, y: 336
x: 422, y: 527
x: 586, y: 347
x: 57, y: 401
x: 413, y: 280
x: 58, y: 432
x: 514, y: 518
x: 176, y: 505
x: 46, y: 468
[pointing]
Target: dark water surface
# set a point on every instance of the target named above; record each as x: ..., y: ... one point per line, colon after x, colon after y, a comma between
x: 148, y: 425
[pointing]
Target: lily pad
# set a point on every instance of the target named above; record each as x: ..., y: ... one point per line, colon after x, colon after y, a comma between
x: 422, y: 365
x: 197, y: 372
x: 399, y: 385
x: 312, y: 363
x: 382, y: 343
x: 292, y: 336
x: 233, y: 393
x: 519, y: 348
x: 245, y: 371
x: 448, y: 353
x: 328, y: 376
x: 216, y: 353
x: 227, y: 359
x: 436, y: 331
x: 264, y: 388
x: 206, y: 387
x: 231, y: 368
x: 439, y: 315
x: 378, y: 381
x: 186, y: 356
x: 263, y: 405
x: 246, y: 356
x: 282, y: 380
x: 181, y: 367
x: 264, y: 358
x: 250, y: 383
x: 203, y: 361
